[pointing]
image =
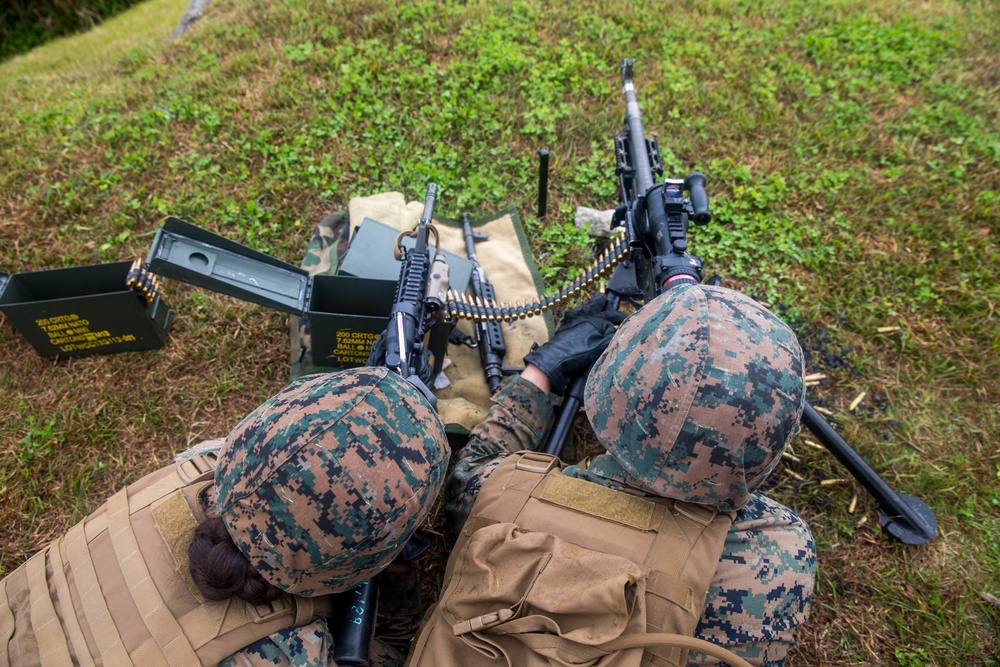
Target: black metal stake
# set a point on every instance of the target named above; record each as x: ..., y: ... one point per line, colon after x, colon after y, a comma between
x: 543, y: 182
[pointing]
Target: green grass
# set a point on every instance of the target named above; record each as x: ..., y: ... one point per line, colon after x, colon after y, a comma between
x: 76, y: 56
x: 853, y: 160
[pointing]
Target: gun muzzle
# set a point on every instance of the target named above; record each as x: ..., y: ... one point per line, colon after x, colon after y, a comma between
x: 429, y: 199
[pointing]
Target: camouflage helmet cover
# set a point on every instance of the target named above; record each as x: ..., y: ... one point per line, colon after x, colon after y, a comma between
x: 698, y: 394
x: 322, y: 485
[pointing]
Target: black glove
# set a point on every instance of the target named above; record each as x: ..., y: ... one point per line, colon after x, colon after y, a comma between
x: 578, y: 342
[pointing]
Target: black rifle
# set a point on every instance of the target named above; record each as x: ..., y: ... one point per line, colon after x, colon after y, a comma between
x: 416, y: 312
x: 489, y: 334
x: 421, y: 293
x: 655, y: 217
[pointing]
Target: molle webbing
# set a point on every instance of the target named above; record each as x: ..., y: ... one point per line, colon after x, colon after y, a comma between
x: 167, y: 644
x: 71, y: 624
x: 115, y: 589
x: 97, y: 619
x: 52, y: 646
x: 6, y: 621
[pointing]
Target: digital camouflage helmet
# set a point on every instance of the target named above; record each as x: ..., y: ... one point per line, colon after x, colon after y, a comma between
x: 322, y: 485
x: 698, y: 394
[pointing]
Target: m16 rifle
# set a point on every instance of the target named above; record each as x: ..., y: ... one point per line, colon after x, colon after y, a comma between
x: 489, y: 334
x: 651, y: 257
x: 417, y: 309
x: 421, y: 294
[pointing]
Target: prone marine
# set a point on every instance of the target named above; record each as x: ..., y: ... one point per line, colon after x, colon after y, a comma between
x: 316, y: 490
x: 695, y: 399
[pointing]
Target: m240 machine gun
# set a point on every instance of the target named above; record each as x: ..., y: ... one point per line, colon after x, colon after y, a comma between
x: 651, y: 257
x: 417, y: 310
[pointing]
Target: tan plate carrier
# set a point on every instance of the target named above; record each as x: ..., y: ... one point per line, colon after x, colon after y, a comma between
x: 555, y: 570
x: 115, y: 590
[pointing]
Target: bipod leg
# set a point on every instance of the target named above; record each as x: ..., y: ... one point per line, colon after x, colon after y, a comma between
x: 567, y: 414
x: 906, y: 518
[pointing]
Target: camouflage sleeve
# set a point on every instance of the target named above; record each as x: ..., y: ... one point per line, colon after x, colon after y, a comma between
x: 519, y: 419
x: 762, y: 589
x: 307, y: 646
x: 323, y: 254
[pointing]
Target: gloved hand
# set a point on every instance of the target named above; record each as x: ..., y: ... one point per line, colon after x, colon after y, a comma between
x: 581, y: 338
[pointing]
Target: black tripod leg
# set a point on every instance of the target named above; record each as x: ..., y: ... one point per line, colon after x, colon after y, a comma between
x: 906, y: 518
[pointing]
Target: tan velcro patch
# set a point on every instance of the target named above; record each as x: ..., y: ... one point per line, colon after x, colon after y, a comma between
x: 596, y: 500
x: 176, y: 523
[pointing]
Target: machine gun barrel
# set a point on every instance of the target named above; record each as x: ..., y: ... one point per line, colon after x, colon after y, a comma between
x: 641, y: 166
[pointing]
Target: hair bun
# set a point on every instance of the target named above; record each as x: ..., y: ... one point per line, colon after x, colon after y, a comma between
x: 221, y: 571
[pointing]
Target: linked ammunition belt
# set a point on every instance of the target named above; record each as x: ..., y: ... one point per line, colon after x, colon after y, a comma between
x: 464, y: 307
x: 142, y: 281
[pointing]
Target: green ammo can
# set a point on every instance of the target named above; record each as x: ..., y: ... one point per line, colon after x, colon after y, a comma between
x: 346, y: 313
x: 85, y: 310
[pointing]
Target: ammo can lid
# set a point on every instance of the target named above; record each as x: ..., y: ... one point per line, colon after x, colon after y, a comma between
x: 183, y: 251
